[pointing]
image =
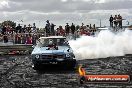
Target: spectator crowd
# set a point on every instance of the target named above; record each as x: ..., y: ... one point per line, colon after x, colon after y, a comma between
x: 29, y: 34
x: 116, y: 21
x: 69, y: 29
x: 19, y: 34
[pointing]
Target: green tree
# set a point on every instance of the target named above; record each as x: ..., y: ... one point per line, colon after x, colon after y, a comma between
x: 9, y: 23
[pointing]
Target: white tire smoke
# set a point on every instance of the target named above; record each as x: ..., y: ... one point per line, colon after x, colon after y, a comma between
x: 105, y: 44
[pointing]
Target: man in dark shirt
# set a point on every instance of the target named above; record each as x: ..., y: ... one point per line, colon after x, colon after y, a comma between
x: 5, y: 38
x: 18, y: 28
x: 52, y: 29
x: 72, y: 28
x: 67, y: 29
x: 111, y: 21
x: 4, y: 30
x: 48, y: 28
x: 24, y: 29
x: 115, y: 21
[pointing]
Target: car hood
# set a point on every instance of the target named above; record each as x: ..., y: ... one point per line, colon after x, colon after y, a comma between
x: 42, y: 50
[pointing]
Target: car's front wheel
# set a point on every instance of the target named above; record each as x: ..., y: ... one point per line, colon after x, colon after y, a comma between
x: 36, y: 67
x: 71, y: 64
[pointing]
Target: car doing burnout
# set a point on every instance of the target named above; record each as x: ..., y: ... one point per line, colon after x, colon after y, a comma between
x: 53, y: 50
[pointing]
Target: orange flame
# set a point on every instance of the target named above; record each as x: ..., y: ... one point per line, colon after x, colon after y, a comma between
x: 81, y: 71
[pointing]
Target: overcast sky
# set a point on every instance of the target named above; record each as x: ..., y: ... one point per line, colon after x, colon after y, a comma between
x: 60, y: 12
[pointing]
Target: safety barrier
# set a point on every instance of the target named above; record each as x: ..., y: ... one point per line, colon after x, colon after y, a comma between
x: 16, y: 49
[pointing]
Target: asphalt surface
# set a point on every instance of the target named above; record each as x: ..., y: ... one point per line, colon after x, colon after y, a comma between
x: 17, y: 72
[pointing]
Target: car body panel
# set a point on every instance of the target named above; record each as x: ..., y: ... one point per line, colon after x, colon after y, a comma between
x: 40, y: 50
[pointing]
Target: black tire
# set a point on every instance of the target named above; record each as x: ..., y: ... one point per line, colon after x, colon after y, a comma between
x: 71, y: 64
x: 36, y: 67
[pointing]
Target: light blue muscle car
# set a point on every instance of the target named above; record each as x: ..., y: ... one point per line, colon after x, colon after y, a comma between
x: 53, y: 50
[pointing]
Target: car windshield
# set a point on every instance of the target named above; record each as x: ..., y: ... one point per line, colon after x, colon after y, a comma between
x: 57, y: 41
